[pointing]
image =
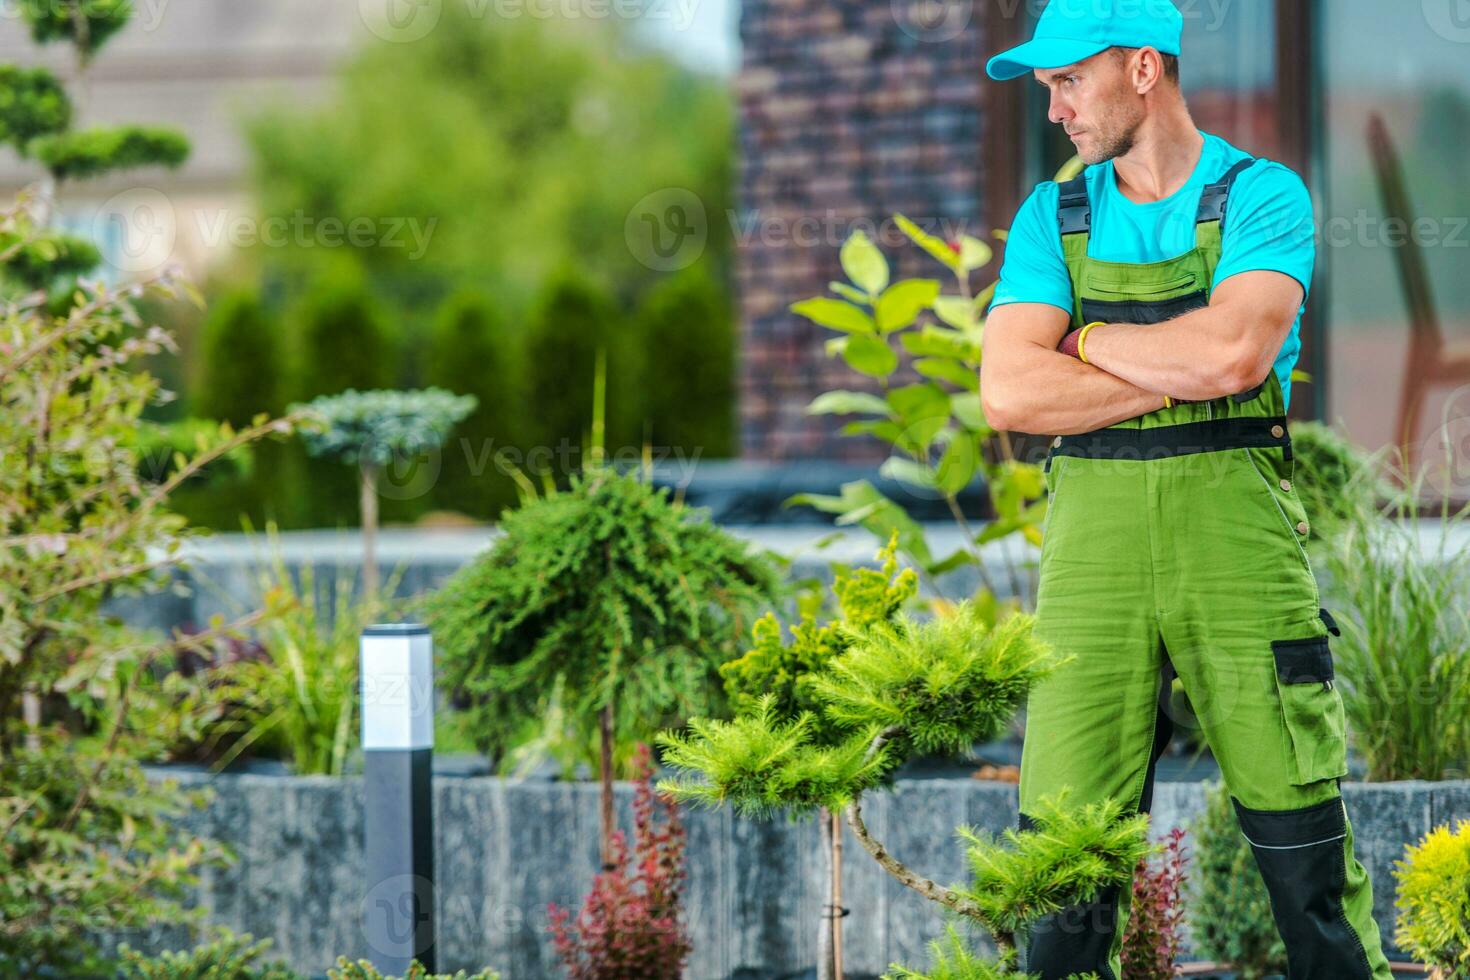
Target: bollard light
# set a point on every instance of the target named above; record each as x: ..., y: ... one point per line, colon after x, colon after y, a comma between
x: 397, y: 687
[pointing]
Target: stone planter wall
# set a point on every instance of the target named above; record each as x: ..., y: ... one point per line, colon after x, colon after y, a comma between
x: 505, y: 848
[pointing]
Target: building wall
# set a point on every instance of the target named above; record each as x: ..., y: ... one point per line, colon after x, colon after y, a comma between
x: 848, y: 114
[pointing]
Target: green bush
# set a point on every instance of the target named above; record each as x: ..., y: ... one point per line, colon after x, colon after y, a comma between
x: 344, y: 338
x: 225, y: 956
x: 242, y: 360
x: 343, y: 341
x: 473, y: 351
x: 573, y: 319
x: 1333, y: 477
x: 1434, y: 900
x: 686, y: 325
x: 1230, y: 912
x: 602, y: 595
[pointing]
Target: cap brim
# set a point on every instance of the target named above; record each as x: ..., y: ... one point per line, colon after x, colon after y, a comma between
x: 1040, y: 52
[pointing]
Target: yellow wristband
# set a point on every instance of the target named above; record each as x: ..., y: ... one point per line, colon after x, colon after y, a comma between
x: 1082, y: 338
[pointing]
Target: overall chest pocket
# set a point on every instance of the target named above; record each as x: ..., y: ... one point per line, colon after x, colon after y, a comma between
x: 1105, y: 300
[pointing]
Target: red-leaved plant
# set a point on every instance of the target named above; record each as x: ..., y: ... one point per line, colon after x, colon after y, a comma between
x: 1155, y: 924
x: 630, y: 927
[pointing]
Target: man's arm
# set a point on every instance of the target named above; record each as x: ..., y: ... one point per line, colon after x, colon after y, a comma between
x: 1027, y: 385
x: 1227, y: 347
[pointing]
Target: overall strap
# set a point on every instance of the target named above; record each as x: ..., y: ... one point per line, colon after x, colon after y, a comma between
x: 1213, y: 199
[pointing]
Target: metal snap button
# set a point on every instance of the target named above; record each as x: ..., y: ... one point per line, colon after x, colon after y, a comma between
x: 1277, y: 432
x: 1302, y: 527
x: 1286, y: 485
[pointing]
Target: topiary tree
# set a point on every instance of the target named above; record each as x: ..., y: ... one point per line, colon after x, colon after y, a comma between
x: 472, y: 350
x: 372, y: 430
x: 902, y: 689
x: 605, y: 601
x: 36, y: 118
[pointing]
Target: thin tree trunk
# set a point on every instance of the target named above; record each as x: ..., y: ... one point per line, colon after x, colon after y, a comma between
x: 837, y: 910
x: 368, y: 508
x: 30, y: 712
x: 605, y: 720
x: 825, y: 960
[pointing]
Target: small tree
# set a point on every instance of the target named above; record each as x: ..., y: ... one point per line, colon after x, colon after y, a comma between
x: 606, y: 601
x: 786, y: 671
x: 685, y: 323
x: 373, y: 429
x: 903, y: 689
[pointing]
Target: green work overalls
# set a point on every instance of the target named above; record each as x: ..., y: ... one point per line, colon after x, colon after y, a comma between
x: 1173, y: 546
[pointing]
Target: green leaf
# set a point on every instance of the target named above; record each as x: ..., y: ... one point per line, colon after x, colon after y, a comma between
x: 870, y: 356
x: 908, y: 471
x: 946, y: 369
x: 968, y: 410
x: 864, y: 263
x: 834, y: 314
x: 848, y: 403
x: 957, y: 466
x: 974, y: 253
x: 902, y: 302
x: 847, y: 292
x: 932, y: 341
x: 934, y: 245
x: 956, y: 311
x: 885, y: 429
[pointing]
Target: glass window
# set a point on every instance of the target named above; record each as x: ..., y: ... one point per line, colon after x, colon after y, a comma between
x: 1398, y: 352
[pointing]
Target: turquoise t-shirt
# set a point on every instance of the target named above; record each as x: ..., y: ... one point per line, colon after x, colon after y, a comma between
x: 1270, y: 226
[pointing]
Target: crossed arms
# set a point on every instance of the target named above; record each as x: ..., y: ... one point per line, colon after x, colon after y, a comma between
x: 1027, y: 385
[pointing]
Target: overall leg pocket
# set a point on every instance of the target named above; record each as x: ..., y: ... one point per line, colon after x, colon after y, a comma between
x: 1312, y: 709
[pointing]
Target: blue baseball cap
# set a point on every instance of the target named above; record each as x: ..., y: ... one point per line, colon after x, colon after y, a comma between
x: 1069, y: 31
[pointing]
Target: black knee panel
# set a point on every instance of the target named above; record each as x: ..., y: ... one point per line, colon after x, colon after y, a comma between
x: 1075, y: 940
x: 1302, y: 855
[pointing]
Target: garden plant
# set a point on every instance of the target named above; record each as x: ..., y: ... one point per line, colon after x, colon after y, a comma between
x: 631, y: 923
x: 87, y: 842
x: 903, y: 689
x: 604, y: 606
x: 1434, y: 901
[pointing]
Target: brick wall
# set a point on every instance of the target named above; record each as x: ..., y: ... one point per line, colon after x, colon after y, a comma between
x: 850, y: 110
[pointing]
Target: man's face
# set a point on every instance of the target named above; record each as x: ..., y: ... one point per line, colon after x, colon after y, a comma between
x: 1096, y: 105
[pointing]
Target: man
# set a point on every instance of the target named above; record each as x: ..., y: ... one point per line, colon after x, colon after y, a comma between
x: 1147, y: 315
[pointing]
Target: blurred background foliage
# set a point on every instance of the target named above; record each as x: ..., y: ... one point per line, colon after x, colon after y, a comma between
x: 491, y: 168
